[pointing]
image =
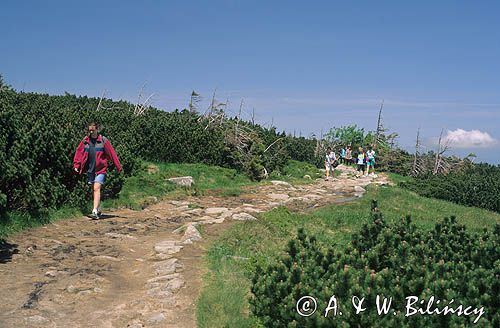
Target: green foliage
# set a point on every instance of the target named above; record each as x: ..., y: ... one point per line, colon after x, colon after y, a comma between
x: 391, y: 260
x: 477, y: 185
x: 348, y: 135
x: 295, y: 171
x: 39, y: 134
x: 394, y: 160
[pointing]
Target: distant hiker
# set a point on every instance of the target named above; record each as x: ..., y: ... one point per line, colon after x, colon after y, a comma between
x: 330, y: 160
x: 92, y: 157
x: 370, y: 162
x: 342, y: 155
x: 348, y: 155
x: 360, y: 161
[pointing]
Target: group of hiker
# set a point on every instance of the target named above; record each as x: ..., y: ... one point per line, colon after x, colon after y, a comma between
x: 364, y: 160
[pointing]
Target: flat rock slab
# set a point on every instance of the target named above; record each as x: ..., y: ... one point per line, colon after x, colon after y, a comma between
x: 106, y: 258
x: 167, y: 247
x: 213, y: 221
x: 182, y: 181
x: 250, y: 209
x: 278, y: 196
x: 313, y: 196
x: 119, y: 235
x: 179, y: 203
x: 191, y: 233
x: 216, y: 210
x: 281, y: 183
x: 164, y: 278
x: 167, y: 267
x: 243, y: 217
x: 359, y: 189
x: 156, y: 318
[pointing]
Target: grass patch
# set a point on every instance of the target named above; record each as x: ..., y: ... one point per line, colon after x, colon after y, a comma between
x: 150, y: 185
x: 295, y: 171
x: 15, y: 221
x: 224, y: 300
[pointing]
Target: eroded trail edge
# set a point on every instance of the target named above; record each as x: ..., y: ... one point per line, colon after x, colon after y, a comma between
x: 138, y: 268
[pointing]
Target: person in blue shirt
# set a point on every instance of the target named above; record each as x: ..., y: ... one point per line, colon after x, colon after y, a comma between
x: 360, y: 161
x: 342, y: 155
x: 370, y: 160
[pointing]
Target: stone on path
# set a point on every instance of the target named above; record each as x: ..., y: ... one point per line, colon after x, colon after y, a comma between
x: 119, y: 235
x: 359, y: 189
x: 165, y: 277
x: 106, y: 258
x: 312, y: 197
x: 216, y: 210
x: 182, y: 181
x: 243, y: 217
x: 179, y: 203
x: 156, y: 318
x: 168, y: 247
x: 281, y: 183
x: 278, y: 196
x: 250, y: 209
x: 38, y: 319
x: 164, y: 268
x: 191, y: 234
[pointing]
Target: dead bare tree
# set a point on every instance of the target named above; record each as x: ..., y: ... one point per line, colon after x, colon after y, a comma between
x: 440, y: 163
x: 215, y: 113
x: 238, y: 118
x: 140, y: 107
x: 100, y: 100
x: 380, y: 128
x: 417, y: 168
x: 194, y: 101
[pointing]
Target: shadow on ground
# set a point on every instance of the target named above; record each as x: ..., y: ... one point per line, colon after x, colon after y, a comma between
x: 104, y: 216
x: 6, y: 251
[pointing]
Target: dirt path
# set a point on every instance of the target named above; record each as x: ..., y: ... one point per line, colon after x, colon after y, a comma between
x: 136, y: 268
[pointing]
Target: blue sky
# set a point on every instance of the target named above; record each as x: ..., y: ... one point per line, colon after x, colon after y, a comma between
x: 303, y: 66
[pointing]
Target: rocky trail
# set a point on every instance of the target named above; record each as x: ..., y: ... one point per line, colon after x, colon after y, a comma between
x: 137, y: 268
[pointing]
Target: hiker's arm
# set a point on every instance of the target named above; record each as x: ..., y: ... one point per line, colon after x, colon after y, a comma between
x: 108, y: 148
x: 77, y: 159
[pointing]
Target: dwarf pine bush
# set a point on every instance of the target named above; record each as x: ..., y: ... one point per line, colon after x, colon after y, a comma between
x: 391, y: 260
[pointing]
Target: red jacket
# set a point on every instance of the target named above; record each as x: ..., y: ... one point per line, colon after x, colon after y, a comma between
x: 104, y: 151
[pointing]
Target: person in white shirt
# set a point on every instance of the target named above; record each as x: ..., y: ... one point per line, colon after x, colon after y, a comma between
x: 330, y: 160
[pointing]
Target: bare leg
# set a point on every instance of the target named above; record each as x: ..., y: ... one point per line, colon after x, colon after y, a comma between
x: 97, y: 195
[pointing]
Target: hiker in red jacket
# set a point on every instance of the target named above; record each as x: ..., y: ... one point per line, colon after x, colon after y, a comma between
x: 92, y: 157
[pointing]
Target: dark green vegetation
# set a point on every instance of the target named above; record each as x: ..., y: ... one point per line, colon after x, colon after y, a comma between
x: 295, y: 171
x: 477, y: 185
x: 39, y: 134
x: 234, y: 257
x: 391, y: 260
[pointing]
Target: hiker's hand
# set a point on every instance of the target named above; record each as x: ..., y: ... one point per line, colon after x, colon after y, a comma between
x: 75, y: 169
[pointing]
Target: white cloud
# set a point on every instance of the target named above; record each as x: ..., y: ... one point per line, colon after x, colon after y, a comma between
x: 469, y: 139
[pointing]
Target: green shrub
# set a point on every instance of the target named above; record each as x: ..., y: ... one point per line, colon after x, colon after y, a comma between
x: 388, y: 260
x: 478, y: 185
